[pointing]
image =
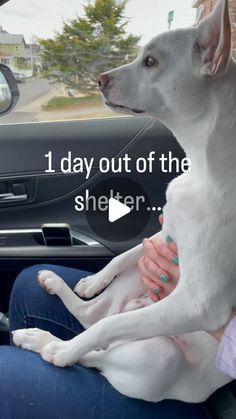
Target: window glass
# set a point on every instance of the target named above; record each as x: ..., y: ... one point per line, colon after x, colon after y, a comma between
x: 56, y: 49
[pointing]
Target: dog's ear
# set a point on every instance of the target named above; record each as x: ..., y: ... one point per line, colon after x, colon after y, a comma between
x: 200, y: 14
x: 214, y: 41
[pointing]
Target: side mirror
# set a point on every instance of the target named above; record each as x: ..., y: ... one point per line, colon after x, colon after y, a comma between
x: 9, y: 92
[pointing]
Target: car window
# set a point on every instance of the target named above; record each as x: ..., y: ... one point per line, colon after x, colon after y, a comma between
x: 56, y: 49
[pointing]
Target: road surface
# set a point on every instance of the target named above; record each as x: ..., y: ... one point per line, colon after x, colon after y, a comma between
x: 30, y: 91
x: 37, y: 92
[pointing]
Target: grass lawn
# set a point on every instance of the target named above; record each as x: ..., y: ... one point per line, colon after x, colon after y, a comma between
x: 60, y: 103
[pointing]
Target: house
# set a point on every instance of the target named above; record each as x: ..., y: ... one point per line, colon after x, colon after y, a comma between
x: 19, y: 56
x: 206, y: 6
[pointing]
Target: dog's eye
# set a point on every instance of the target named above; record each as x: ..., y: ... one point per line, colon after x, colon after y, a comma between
x: 151, y: 61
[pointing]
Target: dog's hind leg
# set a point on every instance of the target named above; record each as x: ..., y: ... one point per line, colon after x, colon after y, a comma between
x: 86, y: 312
x: 180, y: 368
x: 33, y: 339
x: 124, y: 294
x: 144, y: 369
x: 129, y: 296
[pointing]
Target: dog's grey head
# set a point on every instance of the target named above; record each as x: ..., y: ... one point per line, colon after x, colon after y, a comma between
x: 171, y: 75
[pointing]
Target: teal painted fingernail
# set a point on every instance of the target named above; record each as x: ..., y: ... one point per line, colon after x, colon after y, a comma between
x: 156, y: 290
x: 175, y: 260
x: 169, y: 239
x: 164, y: 278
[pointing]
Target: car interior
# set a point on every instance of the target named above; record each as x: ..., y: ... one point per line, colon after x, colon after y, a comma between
x: 31, y: 197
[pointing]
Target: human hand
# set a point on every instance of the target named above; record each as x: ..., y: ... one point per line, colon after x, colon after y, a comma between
x: 158, y: 267
x: 160, y: 272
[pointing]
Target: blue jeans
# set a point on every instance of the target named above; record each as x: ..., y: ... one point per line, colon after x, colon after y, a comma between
x: 34, y: 389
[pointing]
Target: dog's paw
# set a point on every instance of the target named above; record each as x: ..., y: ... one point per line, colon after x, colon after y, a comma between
x: 86, y: 287
x: 51, y: 282
x: 59, y: 354
x: 33, y: 339
x: 92, y: 285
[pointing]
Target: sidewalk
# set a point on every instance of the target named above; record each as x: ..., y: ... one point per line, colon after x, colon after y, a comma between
x: 36, y: 106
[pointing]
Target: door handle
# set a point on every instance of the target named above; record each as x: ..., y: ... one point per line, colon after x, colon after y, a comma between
x: 17, y: 191
x: 10, y: 197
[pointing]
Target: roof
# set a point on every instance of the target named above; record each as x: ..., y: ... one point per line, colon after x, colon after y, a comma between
x: 9, y: 39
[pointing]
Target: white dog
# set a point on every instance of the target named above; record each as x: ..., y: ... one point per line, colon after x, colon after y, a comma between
x: 187, y: 79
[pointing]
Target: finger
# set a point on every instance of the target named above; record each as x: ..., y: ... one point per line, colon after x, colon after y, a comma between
x: 151, y: 286
x: 171, y: 244
x: 159, y: 280
x: 162, y: 256
x: 167, y: 288
x: 144, y: 269
x: 165, y: 252
x: 156, y: 294
x: 155, y: 298
x: 167, y: 268
x: 156, y: 246
x: 156, y: 274
x: 141, y: 266
x: 173, y: 247
x: 152, y: 268
x: 149, y: 249
x: 172, y: 271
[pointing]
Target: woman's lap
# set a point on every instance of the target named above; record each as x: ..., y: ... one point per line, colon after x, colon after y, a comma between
x: 32, y: 306
x: 33, y: 388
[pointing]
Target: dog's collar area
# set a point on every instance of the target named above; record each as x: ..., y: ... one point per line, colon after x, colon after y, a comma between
x: 114, y: 106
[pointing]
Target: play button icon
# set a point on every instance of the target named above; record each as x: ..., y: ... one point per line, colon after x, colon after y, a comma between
x: 117, y: 210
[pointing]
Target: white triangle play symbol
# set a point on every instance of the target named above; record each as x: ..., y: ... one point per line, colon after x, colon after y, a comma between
x: 117, y: 210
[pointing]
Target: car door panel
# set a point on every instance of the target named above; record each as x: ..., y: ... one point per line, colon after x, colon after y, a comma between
x: 53, y: 200
x: 51, y: 196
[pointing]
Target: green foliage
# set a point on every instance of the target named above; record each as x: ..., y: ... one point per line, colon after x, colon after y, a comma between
x: 64, y: 103
x: 90, y: 45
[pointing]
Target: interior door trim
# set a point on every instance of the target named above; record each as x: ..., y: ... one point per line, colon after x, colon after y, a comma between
x: 88, y: 241
x: 29, y: 252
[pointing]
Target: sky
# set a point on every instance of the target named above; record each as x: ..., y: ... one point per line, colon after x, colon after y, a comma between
x: 42, y: 18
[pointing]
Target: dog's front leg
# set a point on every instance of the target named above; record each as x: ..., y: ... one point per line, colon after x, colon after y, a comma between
x: 92, y: 285
x: 176, y: 314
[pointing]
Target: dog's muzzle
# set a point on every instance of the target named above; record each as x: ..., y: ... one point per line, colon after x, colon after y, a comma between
x: 121, y: 107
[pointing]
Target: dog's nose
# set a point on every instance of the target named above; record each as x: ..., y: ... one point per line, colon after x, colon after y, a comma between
x: 103, y: 80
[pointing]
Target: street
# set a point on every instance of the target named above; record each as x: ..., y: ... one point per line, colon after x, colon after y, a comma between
x: 32, y: 90
x: 35, y: 93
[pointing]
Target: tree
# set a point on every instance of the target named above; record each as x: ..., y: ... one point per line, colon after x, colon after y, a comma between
x: 90, y: 45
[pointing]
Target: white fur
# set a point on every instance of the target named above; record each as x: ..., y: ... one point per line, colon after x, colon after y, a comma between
x: 158, y: 351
